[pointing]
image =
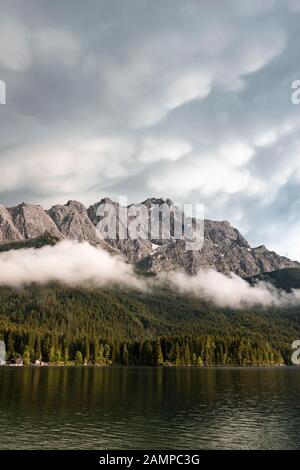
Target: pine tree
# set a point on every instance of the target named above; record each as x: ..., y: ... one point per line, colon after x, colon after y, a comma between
x: 78, y: 358
x: 95, y: 350
x: 52, y: 355
x: 187, y: 358
x: 10, y: 345
x: 177, y: 354
x: 194, y: 359
x: 100, y: 354
x: 66, y: 355
x: 107, y: 351
x: 57, y: 355
x: 159, y: 354
x: 37, y: 349
x: 26, y: 355
x: 125, y: 355
x: 87, y: 350
x: 199, y: 361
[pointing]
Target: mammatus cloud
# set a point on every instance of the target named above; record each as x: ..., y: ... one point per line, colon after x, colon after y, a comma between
x: 187, y: 100
x: 73, y: 263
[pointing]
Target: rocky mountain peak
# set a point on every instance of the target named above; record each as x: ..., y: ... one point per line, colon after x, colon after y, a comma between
x: 74, y: 223
x: 152, y: 201
x: 8, y: 231
x: 31, y: 221
x: 77, y: 206
x: 224, y: 249
x: 223, y: 232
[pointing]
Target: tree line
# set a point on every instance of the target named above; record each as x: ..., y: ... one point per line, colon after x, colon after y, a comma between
x: 59, y: 324
x: 202, y: 350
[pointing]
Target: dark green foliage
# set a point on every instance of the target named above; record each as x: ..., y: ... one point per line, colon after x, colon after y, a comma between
x: 39, y: 242
x: 108, y: 326
x: 285, y: 279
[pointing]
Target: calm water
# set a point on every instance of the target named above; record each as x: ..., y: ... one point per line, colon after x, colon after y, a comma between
x: 119, y: 408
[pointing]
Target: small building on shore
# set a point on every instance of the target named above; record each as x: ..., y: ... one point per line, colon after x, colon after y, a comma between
x: 15, y: 361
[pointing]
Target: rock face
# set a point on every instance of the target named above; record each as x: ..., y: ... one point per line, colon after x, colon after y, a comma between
x: 134, y: 250
x: 229, y: 255
x: 73, y: 222
x: 8, y: 231
x: 31, y: 221
x: 224, y: 248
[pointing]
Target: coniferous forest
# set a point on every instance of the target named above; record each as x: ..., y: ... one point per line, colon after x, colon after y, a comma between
x: 68, y: 325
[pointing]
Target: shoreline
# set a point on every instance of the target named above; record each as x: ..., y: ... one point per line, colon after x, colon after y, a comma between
x: 132, y: 366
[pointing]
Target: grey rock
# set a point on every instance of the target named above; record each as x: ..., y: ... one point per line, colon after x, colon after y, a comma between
x: 133, y: 250
x: 32, y: 221
x: 224, y: 248
x: 8, y: 231
x: 73, y: 222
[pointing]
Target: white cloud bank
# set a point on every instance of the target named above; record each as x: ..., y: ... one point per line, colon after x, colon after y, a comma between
x: 231, y: 291
x: 67, y: 262
x: 74, y: 263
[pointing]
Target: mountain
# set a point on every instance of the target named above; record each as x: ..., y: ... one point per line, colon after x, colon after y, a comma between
x: 31, y: 221
x: 125, y: 326
x: 73, y: 223
x: 8, y: 231
x: 224, y: 248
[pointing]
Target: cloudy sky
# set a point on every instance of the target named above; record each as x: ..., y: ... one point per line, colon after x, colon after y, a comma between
x: 189, y: 100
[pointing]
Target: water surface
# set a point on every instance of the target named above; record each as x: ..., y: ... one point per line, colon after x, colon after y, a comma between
x: 143, y: 408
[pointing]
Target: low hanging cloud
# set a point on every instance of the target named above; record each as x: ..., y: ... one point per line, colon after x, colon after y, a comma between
x: 74, y: 263
x: 231, y: 291
x: 67, y: 262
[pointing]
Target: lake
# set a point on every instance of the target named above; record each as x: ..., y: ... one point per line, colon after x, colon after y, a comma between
x: 149, y: 408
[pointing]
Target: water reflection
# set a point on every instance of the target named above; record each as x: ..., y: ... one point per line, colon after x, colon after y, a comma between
x: 92, y: 408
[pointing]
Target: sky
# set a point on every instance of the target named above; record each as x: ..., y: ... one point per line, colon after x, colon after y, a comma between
x: 189, y: 100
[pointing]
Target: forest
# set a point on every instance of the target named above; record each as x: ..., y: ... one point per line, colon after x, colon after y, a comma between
x: 80, y: 325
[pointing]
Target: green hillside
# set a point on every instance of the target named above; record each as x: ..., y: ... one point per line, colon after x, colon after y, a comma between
x: 285, y: 279
x: 107, y: 326
x: 38, y: 242
x: 62, y: 324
